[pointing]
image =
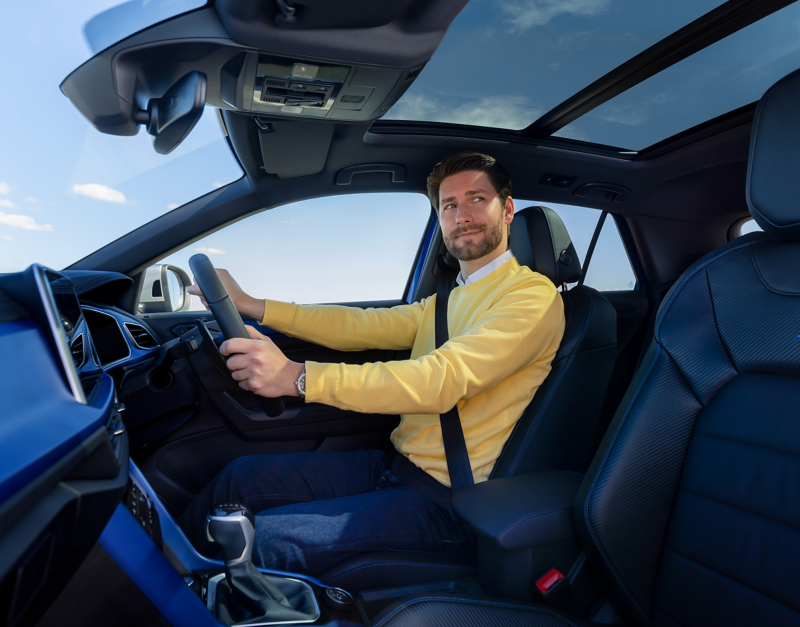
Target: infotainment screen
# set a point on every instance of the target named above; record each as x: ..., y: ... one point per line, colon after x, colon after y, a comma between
x: 64, y: 317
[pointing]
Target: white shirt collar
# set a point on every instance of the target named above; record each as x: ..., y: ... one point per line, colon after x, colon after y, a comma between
x: 486, y: 270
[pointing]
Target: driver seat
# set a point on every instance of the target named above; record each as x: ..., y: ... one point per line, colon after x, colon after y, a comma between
x: 556, y: 431
x: 690, y: 511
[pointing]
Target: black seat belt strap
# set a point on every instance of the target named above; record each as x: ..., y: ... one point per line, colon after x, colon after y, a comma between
x: 455, y: 447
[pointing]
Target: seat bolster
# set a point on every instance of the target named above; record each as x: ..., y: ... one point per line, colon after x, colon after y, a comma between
x: 523, y: 511
x: 462, y: 611
x: 371, y: 571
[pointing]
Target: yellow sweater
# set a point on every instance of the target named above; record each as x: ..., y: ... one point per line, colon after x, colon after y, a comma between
x: 505, y: 329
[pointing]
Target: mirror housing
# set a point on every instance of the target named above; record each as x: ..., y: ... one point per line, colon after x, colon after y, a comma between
x: 164, y: 290
x: 171, y: 118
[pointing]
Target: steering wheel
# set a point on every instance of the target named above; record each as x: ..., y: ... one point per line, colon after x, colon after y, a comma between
x: 229, y: 320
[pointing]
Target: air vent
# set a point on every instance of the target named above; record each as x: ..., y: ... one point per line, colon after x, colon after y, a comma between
x: 141, y: 337
x: 78, y: 349
x: 413, y: 74
x: 275, y: 99
x: 272, y: 82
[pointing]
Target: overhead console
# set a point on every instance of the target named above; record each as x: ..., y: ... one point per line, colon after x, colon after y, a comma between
x: 297, y: 88
x: 123, y: 86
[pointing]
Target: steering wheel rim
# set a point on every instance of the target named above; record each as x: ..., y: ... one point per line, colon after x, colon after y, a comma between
x: 224, y: 311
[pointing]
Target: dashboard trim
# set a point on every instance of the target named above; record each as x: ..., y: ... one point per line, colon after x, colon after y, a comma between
x: 119, y: 326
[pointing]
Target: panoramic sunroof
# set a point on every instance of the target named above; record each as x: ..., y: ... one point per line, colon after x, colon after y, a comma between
x: 729, y: 74
x: 504, y: 63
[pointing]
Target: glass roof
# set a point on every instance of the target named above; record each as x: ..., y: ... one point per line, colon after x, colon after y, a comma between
x: 504, y: 63
x: 729, y: 74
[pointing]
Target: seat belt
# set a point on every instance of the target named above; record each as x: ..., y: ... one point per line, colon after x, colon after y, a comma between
x: 455, y: 447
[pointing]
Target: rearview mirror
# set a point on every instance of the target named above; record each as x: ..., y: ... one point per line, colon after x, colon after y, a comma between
x: 171, y: 118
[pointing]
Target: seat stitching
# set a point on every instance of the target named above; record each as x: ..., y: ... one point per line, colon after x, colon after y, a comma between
x: 350, y: 572
x: 514, y: 431
x: 772, y: 289
x: 749, y: 443
x: 742, y: 509
x: 729, y: 578
x: 695, y: 271
x: 600, y: 470
x: 716, y: 325
x: 535, y: 425
x: 476, y: 602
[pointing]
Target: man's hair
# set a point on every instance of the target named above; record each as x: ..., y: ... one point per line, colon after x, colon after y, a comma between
x: 462, y: 162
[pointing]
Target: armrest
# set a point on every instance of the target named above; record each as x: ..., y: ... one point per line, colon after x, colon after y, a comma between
x: 523, y: 511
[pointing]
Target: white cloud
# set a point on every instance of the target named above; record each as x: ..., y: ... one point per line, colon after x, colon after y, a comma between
x: 99, y: 192
x: 26, y: 223
x: 5, y: 188
x: 512, y: 112
x: 172, y: 205
x: 217, y: 184
x: 525, y: 14
x: 6, y: 238
x: 211, y: 251
x: 7, y: 204
x: 31, y: 199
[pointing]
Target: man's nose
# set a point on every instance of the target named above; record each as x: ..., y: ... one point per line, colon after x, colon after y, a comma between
x: 463, y: 216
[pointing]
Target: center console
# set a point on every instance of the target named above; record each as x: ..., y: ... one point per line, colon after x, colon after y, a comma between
x: 235, y: 592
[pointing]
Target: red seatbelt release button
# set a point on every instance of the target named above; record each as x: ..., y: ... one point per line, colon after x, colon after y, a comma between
x: 548, y: 580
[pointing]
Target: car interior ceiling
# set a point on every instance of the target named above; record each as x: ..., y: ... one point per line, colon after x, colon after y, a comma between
x: 672, y: 203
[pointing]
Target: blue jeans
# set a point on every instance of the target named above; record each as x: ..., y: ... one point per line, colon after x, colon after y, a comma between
x: 315, y: 510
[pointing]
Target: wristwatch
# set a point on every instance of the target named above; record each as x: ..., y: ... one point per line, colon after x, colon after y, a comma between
x: 301, y: 384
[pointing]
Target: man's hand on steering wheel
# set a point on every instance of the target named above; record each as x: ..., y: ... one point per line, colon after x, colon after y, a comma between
x: 244, y: 303
x: 260, y: 367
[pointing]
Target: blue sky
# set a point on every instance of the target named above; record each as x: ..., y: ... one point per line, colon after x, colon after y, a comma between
x: 506, y: 63
x: 66, y: 189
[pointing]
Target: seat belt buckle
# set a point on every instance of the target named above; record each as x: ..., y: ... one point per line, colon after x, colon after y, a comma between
x: 554, y: 589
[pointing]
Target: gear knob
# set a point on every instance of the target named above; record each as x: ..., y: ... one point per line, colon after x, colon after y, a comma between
x: 233, y: 528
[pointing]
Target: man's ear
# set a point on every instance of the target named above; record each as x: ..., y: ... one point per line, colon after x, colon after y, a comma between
x: 509, y: 210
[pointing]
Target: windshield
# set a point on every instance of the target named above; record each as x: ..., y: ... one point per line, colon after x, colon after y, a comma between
x: 66, y: 189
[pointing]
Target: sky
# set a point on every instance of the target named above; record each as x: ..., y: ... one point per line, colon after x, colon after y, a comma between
x: 505, y: 63
x: 66, y: 189
x: 289, y: 253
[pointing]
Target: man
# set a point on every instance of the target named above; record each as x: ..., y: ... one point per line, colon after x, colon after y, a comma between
x: 313, y: 510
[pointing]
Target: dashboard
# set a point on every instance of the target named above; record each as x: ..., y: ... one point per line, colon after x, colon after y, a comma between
x: 64, y: 449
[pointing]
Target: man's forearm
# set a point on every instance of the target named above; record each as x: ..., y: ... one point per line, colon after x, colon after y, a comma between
x: 249, y: 306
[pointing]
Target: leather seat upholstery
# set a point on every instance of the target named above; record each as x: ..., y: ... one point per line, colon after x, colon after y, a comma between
x: 690, y: 511
x: 557, y: 430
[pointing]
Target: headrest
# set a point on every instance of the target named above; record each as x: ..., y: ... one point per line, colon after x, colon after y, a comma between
x: 774, y: 165
x: 540, y: 241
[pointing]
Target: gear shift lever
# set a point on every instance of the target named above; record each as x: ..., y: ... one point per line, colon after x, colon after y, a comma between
x: 233, y: 527
x: 251, y: 596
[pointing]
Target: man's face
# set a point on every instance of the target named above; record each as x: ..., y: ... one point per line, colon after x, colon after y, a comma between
x: 472, y: 218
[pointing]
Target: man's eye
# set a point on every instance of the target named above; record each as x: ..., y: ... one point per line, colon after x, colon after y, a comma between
x: 451, y: 206
x: 477, y: 198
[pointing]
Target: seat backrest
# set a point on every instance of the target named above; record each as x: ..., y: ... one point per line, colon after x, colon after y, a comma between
x: 557, y: 429
x: 691, y: 507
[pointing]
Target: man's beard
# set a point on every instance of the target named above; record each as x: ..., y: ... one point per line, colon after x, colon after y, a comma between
x: 470, y: 251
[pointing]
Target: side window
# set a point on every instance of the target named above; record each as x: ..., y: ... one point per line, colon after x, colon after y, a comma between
x: 610, y: 269
x: 751, y: 226
x: 358, y: 247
